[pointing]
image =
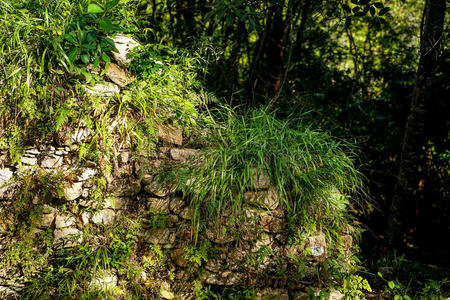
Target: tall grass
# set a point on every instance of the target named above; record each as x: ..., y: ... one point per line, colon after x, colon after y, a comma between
x: 313, y: 173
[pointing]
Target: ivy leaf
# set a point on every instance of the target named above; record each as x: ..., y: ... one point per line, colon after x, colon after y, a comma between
x: 366, y: 9
x: 383, y: 11
x: 346, y: 8
x: 356, y: 9
x: 382, y: 21
x: 372, y: 11
x: 378, y: 5
x: 94, y: 9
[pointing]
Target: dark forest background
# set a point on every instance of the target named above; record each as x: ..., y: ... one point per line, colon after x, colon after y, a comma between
x: 358, y: 70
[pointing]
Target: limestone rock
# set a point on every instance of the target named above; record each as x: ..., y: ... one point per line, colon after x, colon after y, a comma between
x: 170, y: 134
x: 79, y: 135
x: 158, y: 205
x: 270, y: 223
x: 186, y: 213
x: 147, y: 179
x: 85, y: 217
x: 218, y: 236
x: 265, y: 241
x: 178, y: 258
x: 261, y: 180
x: 116, y: 202
x: 104, y: 216
x: 317, y: 244
x: 124, y: 45
x: 103, y: 89
x: 118, y: 75
x: 65, y: 220
x: 176, y: 205
x: 182, y: 154
x: 157, y: 236
x: 265, y: 199
x: 335, y: 295
x: 67, y: 237
x: 73, y: 191
x: 125, y: 187
x: 224, y: 278
x: 87, y: 174
x: 107, y: 280
x: 165, y: 291
x: 48, y: 216
x: 159, y: 190
x: 51, y: 162
x: 29, y: 160
x: 5, y: 176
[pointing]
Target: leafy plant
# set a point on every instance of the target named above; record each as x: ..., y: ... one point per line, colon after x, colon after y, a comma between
x: 354, y: 286
x: 88, y: 38
x: 196, y: 256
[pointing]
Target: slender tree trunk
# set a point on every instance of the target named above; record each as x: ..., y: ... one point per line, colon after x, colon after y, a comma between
x: 407, y: 180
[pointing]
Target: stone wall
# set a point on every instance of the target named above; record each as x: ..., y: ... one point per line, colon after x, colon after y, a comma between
x: 254, y: 252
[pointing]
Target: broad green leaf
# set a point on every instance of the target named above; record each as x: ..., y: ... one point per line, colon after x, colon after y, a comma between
x: 96, y: 62
x: 107, y: 25
x: 72, y: 55
x: 94, y: 9
x: 91, y: 37
x: 106, y: 58
x: 391, y: 285
x: 85, y: 58
x: 372, y: 11
x: 70, y: 37
x: 383, y: 11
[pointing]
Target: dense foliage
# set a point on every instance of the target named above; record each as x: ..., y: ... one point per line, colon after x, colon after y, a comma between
x: 345, y: 68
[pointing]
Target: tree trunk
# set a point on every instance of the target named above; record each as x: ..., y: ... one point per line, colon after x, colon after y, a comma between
x: 402, y: 206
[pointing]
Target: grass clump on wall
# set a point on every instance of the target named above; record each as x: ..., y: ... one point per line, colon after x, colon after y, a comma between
x: 313, y: 174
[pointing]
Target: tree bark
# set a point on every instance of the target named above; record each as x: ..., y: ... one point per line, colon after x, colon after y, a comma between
x: 402, y: 206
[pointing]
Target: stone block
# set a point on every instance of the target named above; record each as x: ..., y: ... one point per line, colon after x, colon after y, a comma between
x: 170, y: 134
x: 72, y: 191
x: 182, y: 154
x: 118, y: 75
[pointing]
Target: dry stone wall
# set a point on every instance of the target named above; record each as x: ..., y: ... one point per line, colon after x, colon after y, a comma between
x: 250, y: 253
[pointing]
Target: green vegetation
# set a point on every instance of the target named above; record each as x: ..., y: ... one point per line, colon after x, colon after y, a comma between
x: 267, y: 89
x: 313, y: 174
